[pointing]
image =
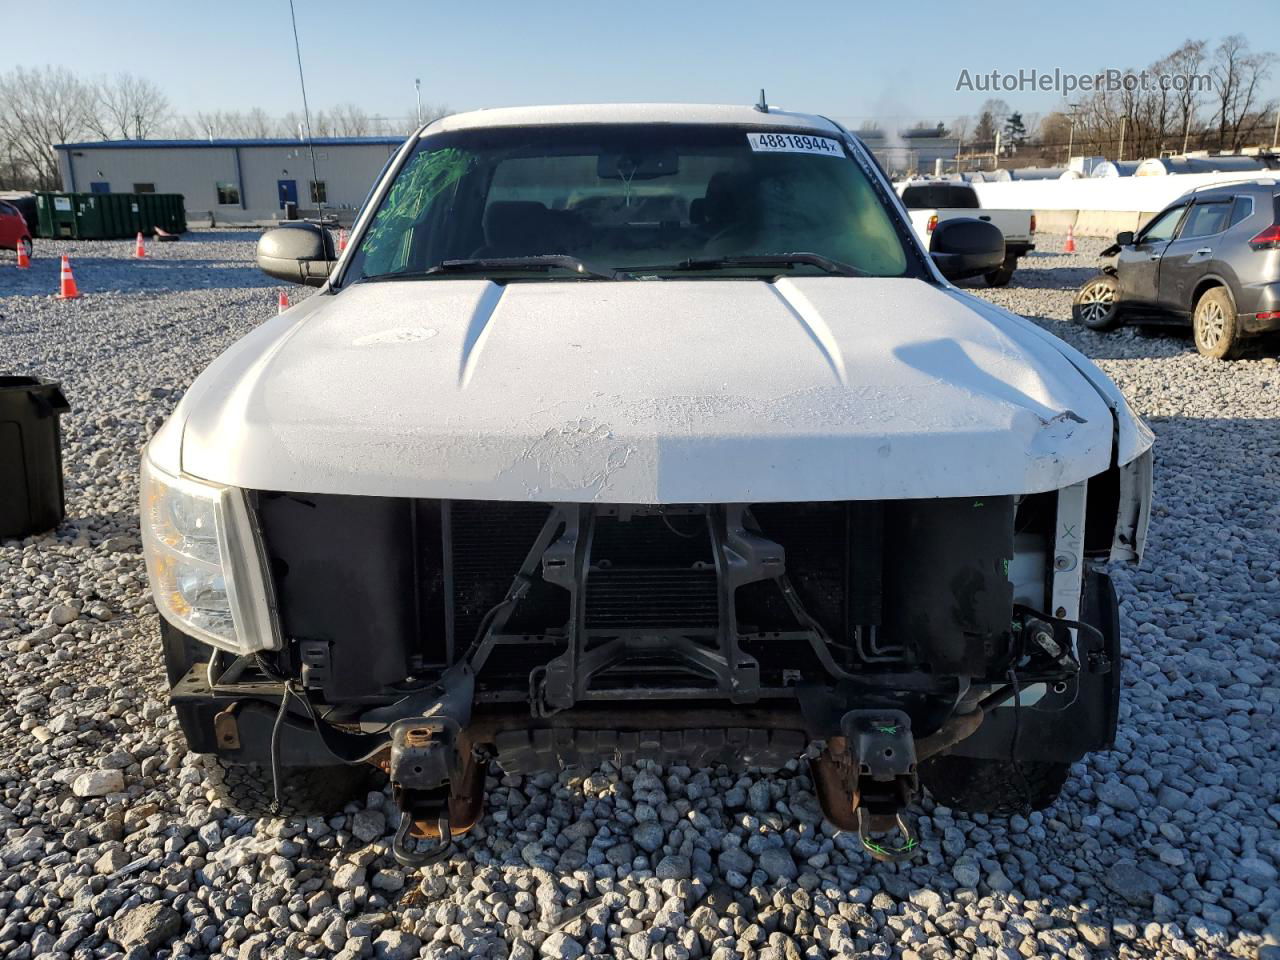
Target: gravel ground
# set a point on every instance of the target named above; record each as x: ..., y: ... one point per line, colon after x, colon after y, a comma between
x: 113, y: 845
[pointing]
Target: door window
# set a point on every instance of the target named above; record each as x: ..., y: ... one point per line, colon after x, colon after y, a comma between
x: 1206, y: 220
x: 1160, y: 230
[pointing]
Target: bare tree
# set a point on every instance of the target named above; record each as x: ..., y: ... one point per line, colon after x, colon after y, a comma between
x: 1237, y: 74
x: 1054, y: 130
x: 998, y: 110
x: 40, y: 108
x: 349, y: 120
x: 1187, y: 63
x: 292, y: 125
x: 260, y: 124
x: 127, y: 107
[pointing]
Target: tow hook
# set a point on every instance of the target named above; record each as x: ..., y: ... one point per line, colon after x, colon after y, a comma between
x: 905, y: 849
x: 438, y: 786
x: 866, y: 779
x: 411, y: 854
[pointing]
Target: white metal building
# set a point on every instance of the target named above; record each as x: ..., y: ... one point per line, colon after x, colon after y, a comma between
x: 232, y: 180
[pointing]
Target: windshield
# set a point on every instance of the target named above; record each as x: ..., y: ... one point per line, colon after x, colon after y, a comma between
x: 645, y: 198
x: 939, y: 195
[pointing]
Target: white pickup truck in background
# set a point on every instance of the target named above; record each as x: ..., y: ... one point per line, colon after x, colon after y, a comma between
x: 929, y: 202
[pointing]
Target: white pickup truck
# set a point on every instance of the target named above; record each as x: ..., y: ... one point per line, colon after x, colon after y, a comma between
x: 930, y: 202
x: 660, y: 438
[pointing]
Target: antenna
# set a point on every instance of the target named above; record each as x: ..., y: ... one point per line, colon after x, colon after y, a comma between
x: 762, y: 105
x: 306, y: 112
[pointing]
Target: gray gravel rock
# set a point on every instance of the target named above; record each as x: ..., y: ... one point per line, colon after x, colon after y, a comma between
x: 648, y: 837
x: 560, y: 946
x: 1137, y: 887
x: 966, y: 873
x: 778, y: 864
x: 97, y: 783
x: 369, y: 825
x: 396, y: 945
x: 1119, y: 795
x: 150, y: 926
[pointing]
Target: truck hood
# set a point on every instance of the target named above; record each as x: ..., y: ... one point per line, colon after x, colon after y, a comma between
x: 687, y: 391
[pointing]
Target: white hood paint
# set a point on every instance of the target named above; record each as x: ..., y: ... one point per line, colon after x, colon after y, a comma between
x: 692, y: 391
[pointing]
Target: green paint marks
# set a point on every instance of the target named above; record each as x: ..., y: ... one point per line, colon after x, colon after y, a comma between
x: 430, y: 173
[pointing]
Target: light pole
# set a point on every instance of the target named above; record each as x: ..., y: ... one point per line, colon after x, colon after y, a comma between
x: 1275, y: 130
x: 1123, y: 123
x: 1071, y: 135
x: 417, y: 89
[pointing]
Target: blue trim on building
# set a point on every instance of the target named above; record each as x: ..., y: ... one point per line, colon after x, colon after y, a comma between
x: 270, y: 142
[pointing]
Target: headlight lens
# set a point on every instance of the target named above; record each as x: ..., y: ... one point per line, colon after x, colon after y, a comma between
x: 203, y: 561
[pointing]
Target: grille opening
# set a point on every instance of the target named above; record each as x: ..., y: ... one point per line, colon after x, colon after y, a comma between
x: 652, y: 571
x: 490, y: 543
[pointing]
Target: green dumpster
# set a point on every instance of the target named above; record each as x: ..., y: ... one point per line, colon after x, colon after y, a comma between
x: 108, y: 216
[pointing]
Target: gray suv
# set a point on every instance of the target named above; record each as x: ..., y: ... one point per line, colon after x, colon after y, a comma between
x: 1211, y: 257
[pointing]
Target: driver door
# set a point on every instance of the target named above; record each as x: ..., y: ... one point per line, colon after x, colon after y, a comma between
x: 1138, y: 265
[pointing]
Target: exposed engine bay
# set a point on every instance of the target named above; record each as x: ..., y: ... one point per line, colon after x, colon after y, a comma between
x: 433, y: 637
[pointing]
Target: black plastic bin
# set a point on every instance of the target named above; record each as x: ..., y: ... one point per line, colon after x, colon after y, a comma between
x: 31, y: 493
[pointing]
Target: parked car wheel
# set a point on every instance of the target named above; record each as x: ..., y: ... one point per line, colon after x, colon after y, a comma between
x: 1001, y: 276
x: 1214, y: 323
x: 993, y: 786
x: 1095, y: 305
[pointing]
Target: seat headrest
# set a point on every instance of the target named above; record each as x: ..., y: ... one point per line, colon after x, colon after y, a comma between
x: 516, y: 225
x: 724, y: 196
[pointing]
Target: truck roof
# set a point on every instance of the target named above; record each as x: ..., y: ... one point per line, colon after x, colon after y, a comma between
x: 699, y: 113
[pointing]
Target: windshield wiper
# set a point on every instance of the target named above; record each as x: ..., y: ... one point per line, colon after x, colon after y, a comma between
x: 767, y: 260
x: 547, y: 261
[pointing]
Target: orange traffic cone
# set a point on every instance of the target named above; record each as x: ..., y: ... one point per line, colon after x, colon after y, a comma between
x: 68, y: 290
x: 342, y: 240
x: 1071, y: 240
x: 283, y: 302
x: 23, y: 260
x: 140, y: 250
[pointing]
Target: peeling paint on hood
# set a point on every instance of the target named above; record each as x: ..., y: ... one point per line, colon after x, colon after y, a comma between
x: 681, y: 391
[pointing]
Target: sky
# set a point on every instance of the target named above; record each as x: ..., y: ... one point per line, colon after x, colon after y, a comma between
x: 889, y: 63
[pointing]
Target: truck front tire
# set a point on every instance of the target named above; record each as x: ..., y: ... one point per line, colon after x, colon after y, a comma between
x: 247, y: 788
x: 993, y: 786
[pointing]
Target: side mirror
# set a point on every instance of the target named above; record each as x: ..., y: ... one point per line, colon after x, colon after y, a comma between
x: 1124, y: 238
x: 966, y: 247
x: 297, y: 252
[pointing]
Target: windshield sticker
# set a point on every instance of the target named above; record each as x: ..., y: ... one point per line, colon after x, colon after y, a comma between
x: 794, y: 143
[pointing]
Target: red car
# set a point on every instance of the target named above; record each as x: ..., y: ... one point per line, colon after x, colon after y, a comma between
x: 13, y: 229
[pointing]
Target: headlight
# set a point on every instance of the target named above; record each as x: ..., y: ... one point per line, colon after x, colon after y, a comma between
x: 204, y: 561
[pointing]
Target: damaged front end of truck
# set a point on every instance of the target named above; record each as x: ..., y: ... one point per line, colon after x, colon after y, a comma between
x: 432, y: 638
